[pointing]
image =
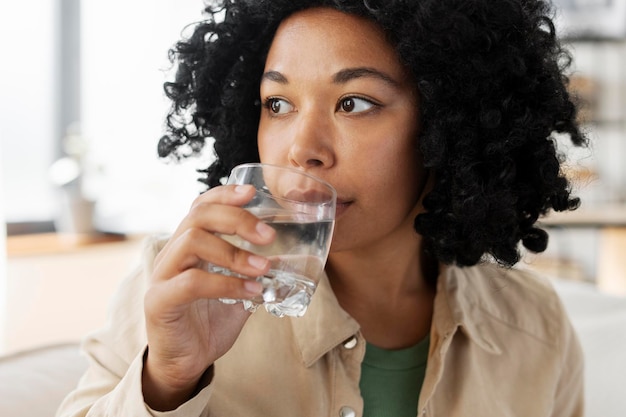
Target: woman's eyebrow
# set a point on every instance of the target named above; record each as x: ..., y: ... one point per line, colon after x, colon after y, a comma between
x: 340, y: 77
x: 349, y: 74
x: 275, y: 76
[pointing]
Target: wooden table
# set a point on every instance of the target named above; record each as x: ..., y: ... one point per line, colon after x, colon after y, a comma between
x: 59, y: 286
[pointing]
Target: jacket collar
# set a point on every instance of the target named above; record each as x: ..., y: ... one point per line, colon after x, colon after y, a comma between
x: 460, y: 292
x: 324, y: 326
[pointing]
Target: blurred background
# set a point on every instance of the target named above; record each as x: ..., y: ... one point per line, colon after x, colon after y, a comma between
x: 82, y: 109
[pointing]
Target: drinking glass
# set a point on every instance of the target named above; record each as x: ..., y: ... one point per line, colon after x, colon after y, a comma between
x: 301, y: 208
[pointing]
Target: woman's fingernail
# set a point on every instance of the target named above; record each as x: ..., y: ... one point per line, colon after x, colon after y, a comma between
x: 253, y: 287
x: 241, y: 189
x: 264, y: 230
x: 257, y: 261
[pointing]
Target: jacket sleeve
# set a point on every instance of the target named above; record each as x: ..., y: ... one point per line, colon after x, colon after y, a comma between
x: 570, y: 395
x: 111, y: 386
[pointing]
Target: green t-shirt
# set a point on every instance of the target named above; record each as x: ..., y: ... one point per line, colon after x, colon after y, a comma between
x: 391, y: 380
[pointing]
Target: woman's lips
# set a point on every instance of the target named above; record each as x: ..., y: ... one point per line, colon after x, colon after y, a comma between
x: 342, y: 206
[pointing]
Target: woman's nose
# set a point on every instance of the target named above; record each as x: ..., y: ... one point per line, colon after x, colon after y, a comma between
x: 312, y: 142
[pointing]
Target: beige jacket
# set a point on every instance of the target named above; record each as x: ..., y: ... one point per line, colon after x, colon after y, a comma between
x: 501, y: 345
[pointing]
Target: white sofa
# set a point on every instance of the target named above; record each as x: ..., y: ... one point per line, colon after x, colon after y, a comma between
x: 600, y: 321
x: 33, y: 383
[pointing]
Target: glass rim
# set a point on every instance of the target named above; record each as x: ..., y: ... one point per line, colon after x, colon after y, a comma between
x: 333, y: 196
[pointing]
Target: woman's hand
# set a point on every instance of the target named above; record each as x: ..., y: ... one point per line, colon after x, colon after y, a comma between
x: 187, y: 327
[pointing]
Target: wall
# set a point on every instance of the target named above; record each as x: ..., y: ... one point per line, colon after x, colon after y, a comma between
x: 123, y: 113
x: 27, y: 107
x: 3, y: 267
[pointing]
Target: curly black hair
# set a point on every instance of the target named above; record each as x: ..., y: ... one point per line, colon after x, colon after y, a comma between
x: 493, y: 92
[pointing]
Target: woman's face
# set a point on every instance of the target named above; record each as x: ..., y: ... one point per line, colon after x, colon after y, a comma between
x: 339, y: 104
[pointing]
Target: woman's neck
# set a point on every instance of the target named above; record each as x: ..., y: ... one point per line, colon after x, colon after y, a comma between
x: 387, y: 289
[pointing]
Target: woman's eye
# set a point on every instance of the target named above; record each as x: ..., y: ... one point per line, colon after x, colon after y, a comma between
x: 278, y: 106
x: 355, y: 105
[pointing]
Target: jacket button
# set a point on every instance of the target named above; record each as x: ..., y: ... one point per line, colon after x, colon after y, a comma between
x: 350, y: 343
x: 346, y: 412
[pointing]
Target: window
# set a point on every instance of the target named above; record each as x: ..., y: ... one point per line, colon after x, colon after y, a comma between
x: 93, y: 69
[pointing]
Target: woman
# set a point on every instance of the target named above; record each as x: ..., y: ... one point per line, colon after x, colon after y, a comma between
x: 432, y: 120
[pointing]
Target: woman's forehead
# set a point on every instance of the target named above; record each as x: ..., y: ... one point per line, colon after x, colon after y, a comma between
x: 324, y: 37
